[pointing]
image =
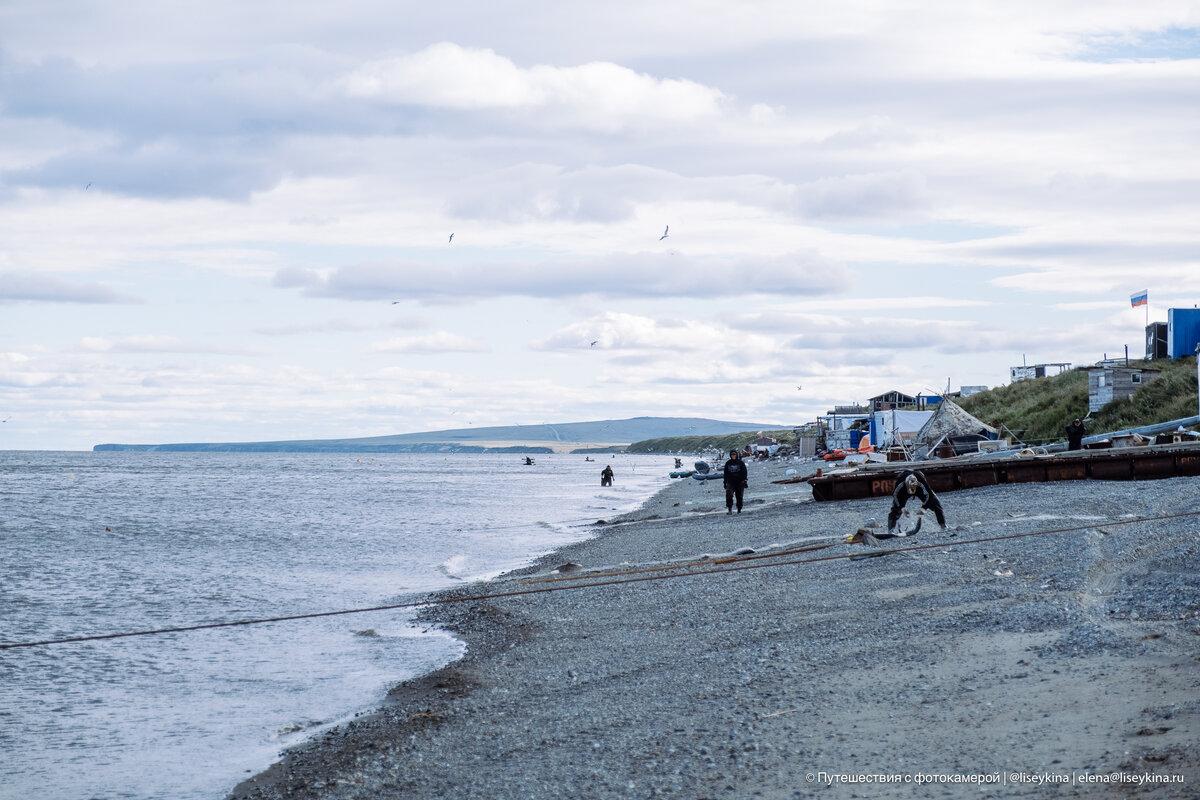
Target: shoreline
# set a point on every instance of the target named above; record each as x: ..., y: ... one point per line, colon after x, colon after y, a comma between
x: 591, y: 690
x: 435, y: 683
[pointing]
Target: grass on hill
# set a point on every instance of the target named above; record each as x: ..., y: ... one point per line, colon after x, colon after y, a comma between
x: 1039, y: 409
x: 696, y: 444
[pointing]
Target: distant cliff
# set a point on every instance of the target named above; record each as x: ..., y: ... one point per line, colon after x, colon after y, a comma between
x: 515, y: 438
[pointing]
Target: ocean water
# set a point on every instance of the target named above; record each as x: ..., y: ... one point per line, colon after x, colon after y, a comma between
x: 101, y: 542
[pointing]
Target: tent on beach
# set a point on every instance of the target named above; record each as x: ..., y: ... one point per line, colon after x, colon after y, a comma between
x: 947, y: 423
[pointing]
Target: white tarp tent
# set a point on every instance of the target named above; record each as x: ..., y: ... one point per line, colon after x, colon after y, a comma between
x: 887, y: 426
x: 950, y: 420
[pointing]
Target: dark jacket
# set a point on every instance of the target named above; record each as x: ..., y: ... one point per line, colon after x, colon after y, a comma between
x: 924, y: 493
x: 736, y: 475
x: 1075, y: 436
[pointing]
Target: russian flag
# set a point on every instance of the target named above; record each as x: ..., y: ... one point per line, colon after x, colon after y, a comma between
x: 1140, y: 299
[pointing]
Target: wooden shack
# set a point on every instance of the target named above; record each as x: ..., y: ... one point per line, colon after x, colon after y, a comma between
x: 1109, y: 382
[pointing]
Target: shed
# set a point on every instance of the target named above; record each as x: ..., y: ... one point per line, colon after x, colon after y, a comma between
x: 890, y: 400
x: 1029, y: 372
x: 1108, y: 383
x: 1183, y: 331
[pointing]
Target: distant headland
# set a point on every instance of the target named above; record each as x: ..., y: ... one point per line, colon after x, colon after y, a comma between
x: 591, y: 437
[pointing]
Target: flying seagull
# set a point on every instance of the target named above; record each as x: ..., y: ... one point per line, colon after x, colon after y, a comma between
x: 593, y: 344
x: 88, y: 186
x: 666, y: 233
x: 395, y: 302
x: 451, y: 239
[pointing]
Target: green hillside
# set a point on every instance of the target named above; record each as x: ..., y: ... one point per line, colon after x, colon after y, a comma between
x: 1038, y: 410
x: 695, y: 444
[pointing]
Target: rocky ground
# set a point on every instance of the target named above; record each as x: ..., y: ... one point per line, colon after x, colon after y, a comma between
x: 1085, y: 659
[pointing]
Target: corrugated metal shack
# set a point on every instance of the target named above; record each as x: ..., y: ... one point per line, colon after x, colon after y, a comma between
x: 1107, y: 383
x: 1183, y: 331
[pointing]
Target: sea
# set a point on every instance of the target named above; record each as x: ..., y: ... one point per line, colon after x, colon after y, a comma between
x: 92, y: 543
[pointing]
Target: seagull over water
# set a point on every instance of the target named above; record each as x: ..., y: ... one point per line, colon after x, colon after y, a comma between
x: 593, y: 344
x: 666, y: 233
x: 88, y: 186
x: 451, y: 239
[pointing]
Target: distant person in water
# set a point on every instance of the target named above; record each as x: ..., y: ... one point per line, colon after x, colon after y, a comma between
x: 606, y: 476
x: 913, y: 484
x: 528, y: 461
x: 737, y: 477
x: 1075, y: 432
x: 678, y: 463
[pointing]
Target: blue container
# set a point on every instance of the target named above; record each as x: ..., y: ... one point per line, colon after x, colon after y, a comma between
x: 1183, y: 331
x: 856, y: 437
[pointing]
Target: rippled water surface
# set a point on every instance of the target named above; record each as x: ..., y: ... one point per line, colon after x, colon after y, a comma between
x: 99, y: 542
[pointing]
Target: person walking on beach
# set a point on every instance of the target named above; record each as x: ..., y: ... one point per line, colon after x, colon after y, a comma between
x: 736, y: 479
x: 606, y: 475
x: 1075, y: 433
x: 913, y: 484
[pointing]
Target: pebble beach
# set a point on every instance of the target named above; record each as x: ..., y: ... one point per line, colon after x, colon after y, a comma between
x: 1047, y: 659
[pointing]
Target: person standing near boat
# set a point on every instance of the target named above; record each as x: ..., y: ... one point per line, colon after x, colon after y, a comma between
x: 1075, y: 433
x: 737, y: 477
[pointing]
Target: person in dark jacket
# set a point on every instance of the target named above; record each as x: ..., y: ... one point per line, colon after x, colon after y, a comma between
x: 1075, y: 432
x: 606, y: 475
x: 913, y: 484
x: 736, y: 479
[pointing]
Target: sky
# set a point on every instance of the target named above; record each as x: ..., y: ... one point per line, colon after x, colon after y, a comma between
x: 228, y: 221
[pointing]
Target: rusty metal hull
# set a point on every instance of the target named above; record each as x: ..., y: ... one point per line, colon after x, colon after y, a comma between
x: 948, y: 475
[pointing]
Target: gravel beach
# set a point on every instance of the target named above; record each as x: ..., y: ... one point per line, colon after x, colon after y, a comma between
x: 1050, y: 656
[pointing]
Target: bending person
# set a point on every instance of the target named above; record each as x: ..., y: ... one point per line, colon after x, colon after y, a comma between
x: 913, y: 484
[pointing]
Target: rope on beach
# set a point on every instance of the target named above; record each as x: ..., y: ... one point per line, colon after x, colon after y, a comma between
x: 473, y: 598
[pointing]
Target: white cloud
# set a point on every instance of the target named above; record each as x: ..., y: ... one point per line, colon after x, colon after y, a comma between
x: 643, y: 274
x: 599, y: 95
x: 154, y: 344
x: 32, y: 287
x: 614, y: 330
x: 872, y: 195
x: 969, y: 164
x: 429, y: 344
x: 338, y: 326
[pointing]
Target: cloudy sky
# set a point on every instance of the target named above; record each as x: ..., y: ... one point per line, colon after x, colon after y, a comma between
x: 222, y: 220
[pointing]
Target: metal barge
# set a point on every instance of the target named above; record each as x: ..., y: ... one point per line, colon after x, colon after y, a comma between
x: 969, y: 472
